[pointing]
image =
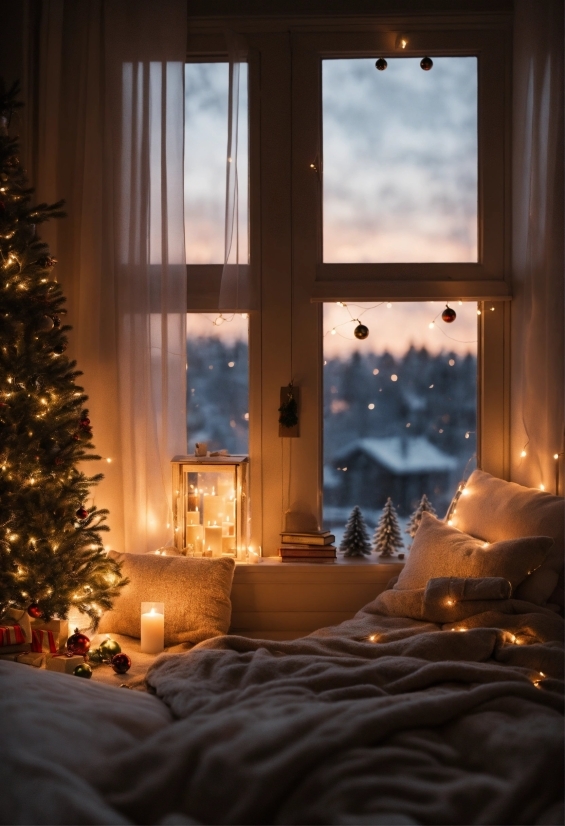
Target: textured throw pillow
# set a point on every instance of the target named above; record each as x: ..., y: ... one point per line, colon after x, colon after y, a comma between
x: 492, y: 509
x: 439, y: 550
x: 196, y: 594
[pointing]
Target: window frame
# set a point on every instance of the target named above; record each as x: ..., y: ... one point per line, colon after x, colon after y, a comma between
x: 285, y: 332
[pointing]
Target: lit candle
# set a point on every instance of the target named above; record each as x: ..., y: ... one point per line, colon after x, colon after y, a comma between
x: 213, y: 538
x: 193, y: 499
x: 152, y: 627
x: 193, y: 517
x: 228, y: 527
x: 253, y: 557
x: 213, y: 507
x: 194, y: 536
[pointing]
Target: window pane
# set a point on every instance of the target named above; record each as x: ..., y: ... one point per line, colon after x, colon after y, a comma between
x: 206, y: 139
x: 400, y: 161
x: 399, y: 407
x: 217, y: 382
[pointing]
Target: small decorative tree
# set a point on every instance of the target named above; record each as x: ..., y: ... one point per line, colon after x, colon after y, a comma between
x: 356, y: 540
x: 387, y: 538
x: 416, y: 518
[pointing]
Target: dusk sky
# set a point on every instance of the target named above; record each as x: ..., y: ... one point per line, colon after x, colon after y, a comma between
x: 400, y: 185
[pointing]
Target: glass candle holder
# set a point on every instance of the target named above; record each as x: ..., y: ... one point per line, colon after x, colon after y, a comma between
x: 152, y: 627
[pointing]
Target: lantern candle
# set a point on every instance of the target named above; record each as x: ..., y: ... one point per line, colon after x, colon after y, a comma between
x: 194, y: 535
x: 193, y: 499
x: 213, y: 538
x: 152, y: 627
x: 193, y: 517
x: 228, y: 527
x: 213, y: 506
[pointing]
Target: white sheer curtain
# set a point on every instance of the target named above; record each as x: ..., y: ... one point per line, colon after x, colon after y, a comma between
x: 537, y: 401
x: 111, y: 142
x: 236, y: 288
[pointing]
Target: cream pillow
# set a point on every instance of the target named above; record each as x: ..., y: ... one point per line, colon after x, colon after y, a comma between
x: 196, y: 594
x: 493, y: 510
x: 439, y: 550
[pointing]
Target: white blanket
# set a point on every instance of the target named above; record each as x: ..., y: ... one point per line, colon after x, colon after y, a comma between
x: 382, y: 720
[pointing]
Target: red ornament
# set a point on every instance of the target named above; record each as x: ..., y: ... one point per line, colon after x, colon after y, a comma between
x: 34, y: 610
x: 121, y: 663
x: 448, y: 315
x: 85, y: 423
x: 82, y: 513
x: 78, y: 643
x: 46, y: 262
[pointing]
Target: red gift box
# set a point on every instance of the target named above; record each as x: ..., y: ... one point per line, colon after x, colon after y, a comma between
x: 49, y: 637
x: 11, y: 635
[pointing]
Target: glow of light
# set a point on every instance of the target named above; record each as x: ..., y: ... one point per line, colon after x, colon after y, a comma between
x: 333, y: 332
x: 375, y: 372
x: 542, y: 486
x: 371, y: 406
x: 479, y: 312
x: 485, y: 544
x: 109, y: 461
x: 231, y: 363
x: 451, y: 362
x: 245, y: 315
x: 450, y: 521
x: 523, y: 453
x: 394, y: 377
x: 464, y: 492
x: 389, y: 305
x: 431, y: 325
x: 556, y: 455
x: 431, y: 387
x: 449, y: 602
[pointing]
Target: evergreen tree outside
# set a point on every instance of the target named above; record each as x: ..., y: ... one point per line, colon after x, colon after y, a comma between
x: 416, y: 518
x: 387, y: 538
x: 51, y: 551
x: 356, y: 540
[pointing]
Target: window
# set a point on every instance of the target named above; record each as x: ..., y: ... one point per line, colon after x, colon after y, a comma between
x: 400, y: 161
x: 217, y: 343
x: 399, y: 407
x: 290, y: 175
x: 206, y: 138
x: 217, y: 381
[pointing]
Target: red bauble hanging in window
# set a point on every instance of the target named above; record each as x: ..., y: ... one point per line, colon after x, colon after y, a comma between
x: 448, y: 314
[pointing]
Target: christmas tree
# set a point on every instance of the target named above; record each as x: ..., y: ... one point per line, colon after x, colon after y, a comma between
x: 355, y: 540
x: 51, y: 551
x: 387, y: 538
x: 416, y: 518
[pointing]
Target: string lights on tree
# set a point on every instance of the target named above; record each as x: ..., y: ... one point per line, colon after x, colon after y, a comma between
x: 51, y: 551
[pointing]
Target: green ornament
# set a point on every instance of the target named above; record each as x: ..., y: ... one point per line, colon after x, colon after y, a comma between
x: 109, y: 648
x: 83, y: 670
x: 95, y: 656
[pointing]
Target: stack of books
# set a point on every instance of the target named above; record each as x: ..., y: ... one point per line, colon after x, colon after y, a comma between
x: 307, y: 547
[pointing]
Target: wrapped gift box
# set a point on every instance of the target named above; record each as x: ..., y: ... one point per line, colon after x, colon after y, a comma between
x: 31, y: 658
x: 63, y: 664
x: 15, y: 631
x: 11, y: 635
x: 49, y: 637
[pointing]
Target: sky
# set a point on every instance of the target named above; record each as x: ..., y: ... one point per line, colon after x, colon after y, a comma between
x: 393, y: 328
x: 399, y: 185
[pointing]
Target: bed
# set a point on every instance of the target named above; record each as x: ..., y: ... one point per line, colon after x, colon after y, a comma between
x: 440, y: 704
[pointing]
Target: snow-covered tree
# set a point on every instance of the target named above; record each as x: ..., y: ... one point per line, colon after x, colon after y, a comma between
x: 416, y: 518
x: 356, y: 540
x: 387, y: 538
